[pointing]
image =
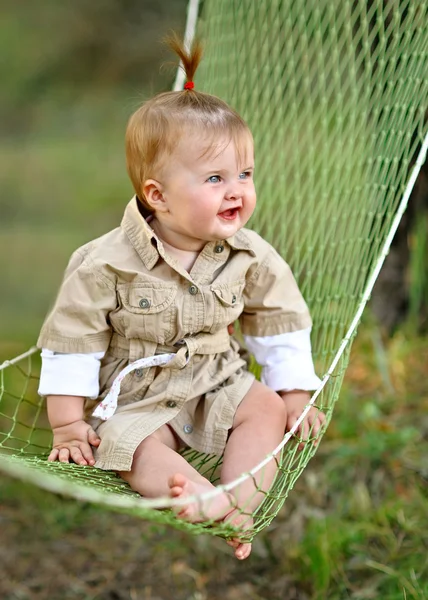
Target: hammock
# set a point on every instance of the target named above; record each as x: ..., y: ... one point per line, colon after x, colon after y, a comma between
x: 336, y: 95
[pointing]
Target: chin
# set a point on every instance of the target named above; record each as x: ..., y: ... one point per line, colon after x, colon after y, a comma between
x: 228, y: 232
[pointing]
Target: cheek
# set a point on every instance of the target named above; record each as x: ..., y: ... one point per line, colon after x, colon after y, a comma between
x: 205, y: 206
x: 188, y: 206
x: 251, y: 198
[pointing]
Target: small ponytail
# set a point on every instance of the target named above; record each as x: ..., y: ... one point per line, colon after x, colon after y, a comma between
x: 190, y: 58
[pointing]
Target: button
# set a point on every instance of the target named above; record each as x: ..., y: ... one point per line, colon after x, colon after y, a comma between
x: 139, y: 372
x: 218, y: 249
x: 188, y: 429
x: 233, y: 299
x: 144, y: 303
x: 193, y: 290
x: 171, y: 404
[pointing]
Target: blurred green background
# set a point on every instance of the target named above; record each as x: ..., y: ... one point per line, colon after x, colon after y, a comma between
x: 72, y: 73
x: 356, y: 525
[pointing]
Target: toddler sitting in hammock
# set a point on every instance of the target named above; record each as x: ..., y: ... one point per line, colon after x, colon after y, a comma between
x: 156, y: 296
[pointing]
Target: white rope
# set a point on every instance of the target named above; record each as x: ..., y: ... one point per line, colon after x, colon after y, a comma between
x: 189, y: 34
x: 8, y: 363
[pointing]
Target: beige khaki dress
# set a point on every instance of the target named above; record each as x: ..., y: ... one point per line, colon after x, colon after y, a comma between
x: 124, y: 295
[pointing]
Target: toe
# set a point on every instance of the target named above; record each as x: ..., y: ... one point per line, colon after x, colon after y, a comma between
x: 176, y: 491
x: 179, y: 482
x: 176, y: 480
x: 243, y: 551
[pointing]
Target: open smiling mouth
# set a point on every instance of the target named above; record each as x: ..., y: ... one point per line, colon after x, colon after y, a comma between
x: 229, y: 214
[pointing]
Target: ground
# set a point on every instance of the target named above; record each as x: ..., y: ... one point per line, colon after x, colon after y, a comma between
x: 354, y: 527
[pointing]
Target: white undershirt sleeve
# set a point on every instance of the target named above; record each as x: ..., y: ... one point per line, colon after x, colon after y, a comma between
x: 70, y: 374
x: 286, y: 360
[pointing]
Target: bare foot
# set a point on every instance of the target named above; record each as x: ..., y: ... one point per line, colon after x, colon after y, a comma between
x: 213, y: 509
x: 244, y: 522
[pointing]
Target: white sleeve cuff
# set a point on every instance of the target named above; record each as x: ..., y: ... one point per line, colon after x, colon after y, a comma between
x: 70, y: 374
x: 286, y: 360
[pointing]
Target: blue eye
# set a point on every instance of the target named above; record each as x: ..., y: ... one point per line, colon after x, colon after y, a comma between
x: 245, y: 175
x: 214, y: 179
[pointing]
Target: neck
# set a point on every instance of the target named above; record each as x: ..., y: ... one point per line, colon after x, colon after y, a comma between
x: 176, y: 240
x: 185, y: 253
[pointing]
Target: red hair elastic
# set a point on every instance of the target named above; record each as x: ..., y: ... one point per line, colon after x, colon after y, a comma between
x: 189, y: 85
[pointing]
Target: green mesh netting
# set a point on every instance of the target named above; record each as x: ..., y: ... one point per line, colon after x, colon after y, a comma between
x: 336, y: 94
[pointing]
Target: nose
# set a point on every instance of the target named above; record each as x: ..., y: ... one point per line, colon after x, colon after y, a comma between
x: 233, y: 192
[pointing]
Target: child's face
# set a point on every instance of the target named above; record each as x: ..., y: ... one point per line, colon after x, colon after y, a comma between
x: 204, y: 196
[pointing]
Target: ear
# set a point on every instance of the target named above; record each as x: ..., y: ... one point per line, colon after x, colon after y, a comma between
x: 153, y: 193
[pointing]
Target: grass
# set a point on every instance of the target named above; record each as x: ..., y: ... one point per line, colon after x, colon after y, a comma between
x: 354, y: 527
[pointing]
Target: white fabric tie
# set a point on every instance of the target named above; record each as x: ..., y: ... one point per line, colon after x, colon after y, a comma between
x: 107, y: 407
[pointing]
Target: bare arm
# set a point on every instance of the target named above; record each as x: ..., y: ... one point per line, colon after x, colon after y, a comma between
x: 73, y: 437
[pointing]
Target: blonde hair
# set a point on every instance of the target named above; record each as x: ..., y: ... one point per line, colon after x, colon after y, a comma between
x: 154, y: 130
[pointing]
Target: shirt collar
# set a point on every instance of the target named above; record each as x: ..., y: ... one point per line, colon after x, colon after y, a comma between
x: 140, y: 234
x: 240, y: 241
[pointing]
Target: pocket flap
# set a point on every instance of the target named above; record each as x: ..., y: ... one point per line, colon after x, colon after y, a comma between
x: 229, y: 295
x: 149, y: 300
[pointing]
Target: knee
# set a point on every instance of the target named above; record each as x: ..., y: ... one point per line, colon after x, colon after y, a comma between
x: 164, y: 436
x: 266, y: 408
x: 275, y: 408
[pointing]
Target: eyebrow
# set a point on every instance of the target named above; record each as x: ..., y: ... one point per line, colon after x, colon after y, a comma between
x: 214, y: 170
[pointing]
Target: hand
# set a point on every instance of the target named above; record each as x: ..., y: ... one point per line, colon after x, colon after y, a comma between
x: 295, y: 402
x: 72, y: 443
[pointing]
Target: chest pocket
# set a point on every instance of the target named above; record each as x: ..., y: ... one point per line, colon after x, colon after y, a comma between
x: 228, y: 304
x: 148, y: 311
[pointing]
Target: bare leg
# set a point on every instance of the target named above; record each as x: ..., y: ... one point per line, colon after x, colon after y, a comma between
x: 158, y: 470
x: 258, y: 427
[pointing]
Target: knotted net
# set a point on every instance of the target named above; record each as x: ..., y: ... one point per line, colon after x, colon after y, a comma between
x: 336, y: 95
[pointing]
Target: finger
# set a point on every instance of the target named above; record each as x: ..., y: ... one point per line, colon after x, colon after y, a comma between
x: 304, y: 430
x: 319, y: 427
x: 317, y: 415
x: 64, y: 455
x: 312, y: 416
x: 53, y: 456
x: 77, y: 456
x: 291, y: 421
x: 93, y: 438
x: 290, y: 424
x: 313, y: 423
x: 231, y: 329
x: 316, y: 427
x: 87, y: 454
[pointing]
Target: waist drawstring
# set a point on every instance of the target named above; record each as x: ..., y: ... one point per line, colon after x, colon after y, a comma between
x: 177, y: 360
